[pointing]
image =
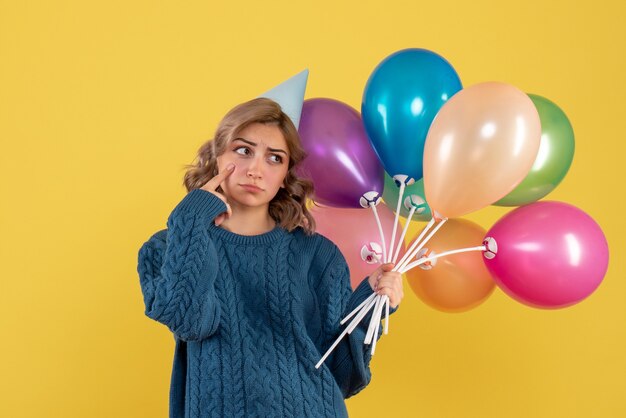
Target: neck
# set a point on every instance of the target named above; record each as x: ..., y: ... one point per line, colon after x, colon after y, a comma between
x: 249, y: 221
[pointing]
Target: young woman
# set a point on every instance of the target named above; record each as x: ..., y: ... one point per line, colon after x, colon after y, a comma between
x: 252, y: 295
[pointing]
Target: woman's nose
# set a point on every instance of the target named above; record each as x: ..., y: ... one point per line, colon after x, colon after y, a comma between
x: 254, y: 169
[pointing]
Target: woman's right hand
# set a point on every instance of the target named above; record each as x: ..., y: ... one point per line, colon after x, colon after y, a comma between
x: 385, y: 281
x: 211, y: 187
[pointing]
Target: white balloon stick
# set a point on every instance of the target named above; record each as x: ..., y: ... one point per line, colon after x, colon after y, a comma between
x: 436, y: 256
x: 375, y: 322
x: 387, y: 316
x: 376, y: 334
x: 406, y: 228
x: 370, y: 328
x: 395, y: 223
x: 414, y: 244
x: 421, y: 245
x: 360, y: 316
x: 380, y: 230
x: 351, y: 314
x: 347, y: 330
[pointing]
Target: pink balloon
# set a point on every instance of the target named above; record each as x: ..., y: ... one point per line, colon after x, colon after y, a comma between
x: 549, y: 254
x: 351, y: 229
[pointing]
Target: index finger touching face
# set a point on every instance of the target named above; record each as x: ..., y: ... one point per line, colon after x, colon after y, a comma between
x: 221, y: 176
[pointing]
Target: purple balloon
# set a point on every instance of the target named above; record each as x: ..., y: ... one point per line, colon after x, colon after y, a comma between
x: 341, y: 162
x: 550, y: 254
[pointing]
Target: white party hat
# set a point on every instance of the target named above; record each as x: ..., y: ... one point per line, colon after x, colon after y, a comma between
x: 290, y: 95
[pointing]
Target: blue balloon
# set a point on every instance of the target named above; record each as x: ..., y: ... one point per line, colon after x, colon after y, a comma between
x: 401, y: 98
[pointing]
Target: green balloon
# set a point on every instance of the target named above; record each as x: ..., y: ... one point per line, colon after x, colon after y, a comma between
x: 390, y: 196
x: 556, y: 152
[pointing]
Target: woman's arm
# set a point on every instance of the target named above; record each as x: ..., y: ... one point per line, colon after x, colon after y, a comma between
x: 177, y: 269
x: 349, y: 362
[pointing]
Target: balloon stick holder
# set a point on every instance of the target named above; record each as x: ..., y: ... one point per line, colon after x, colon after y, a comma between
x: 491, y: 248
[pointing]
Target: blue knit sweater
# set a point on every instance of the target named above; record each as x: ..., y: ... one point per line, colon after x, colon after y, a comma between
x: 251, y: 316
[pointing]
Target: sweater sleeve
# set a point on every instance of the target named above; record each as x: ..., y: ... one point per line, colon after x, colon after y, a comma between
x: 177, y: 269
x: 349, y: 361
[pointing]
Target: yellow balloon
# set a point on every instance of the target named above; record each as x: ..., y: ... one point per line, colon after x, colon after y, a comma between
x: 457, y: 282
x: 480, y: 146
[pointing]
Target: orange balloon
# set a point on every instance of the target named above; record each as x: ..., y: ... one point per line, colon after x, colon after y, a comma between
x: 457, y: 282
x: 480, y: 146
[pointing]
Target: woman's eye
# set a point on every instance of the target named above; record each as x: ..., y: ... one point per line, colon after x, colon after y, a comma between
x: 276, y: 158
x: 242, y: 150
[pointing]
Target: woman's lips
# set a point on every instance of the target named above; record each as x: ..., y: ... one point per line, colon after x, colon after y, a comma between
x: 251, y: 188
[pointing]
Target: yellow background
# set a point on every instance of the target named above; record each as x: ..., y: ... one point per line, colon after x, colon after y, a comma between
x: 102, y: 103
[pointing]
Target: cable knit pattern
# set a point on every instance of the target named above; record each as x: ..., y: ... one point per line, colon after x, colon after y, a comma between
x: 231, y: 338
x: 302, y: 351
x: 195, y: 357
x: 251, y: 316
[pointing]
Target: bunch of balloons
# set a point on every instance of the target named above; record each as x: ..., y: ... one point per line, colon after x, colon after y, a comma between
x: 435, y: 151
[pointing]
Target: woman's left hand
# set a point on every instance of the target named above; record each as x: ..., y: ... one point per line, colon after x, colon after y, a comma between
x: 386, y: 282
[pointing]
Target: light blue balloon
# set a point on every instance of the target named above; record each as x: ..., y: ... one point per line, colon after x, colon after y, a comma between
x: 401, y: 98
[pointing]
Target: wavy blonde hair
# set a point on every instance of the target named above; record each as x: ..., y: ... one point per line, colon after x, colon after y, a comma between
x: 288, y: 207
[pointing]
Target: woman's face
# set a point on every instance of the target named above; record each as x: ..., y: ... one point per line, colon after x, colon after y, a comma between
x: 261, y: 161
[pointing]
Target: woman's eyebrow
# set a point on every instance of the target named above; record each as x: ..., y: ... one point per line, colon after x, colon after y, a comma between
x: 254, y: 144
